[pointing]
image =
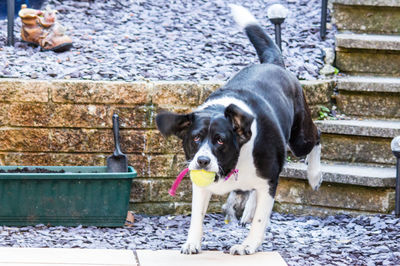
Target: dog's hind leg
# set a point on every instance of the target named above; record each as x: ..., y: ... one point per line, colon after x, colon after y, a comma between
x: 200, y: 200
x: 261, y: 220
x: 305, y: 140
x: 249, y: 208
x: 314, y: 173
x: 228, y: 208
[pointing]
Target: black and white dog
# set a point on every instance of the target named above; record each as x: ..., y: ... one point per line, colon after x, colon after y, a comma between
x: 246, y: 125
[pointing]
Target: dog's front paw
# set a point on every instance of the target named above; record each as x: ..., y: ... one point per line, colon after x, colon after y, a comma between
x: 242, y: 250
x: 190, y: 248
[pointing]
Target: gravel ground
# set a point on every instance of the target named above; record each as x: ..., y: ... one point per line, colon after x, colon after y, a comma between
x: 163, y: 40
x: 334, y: 240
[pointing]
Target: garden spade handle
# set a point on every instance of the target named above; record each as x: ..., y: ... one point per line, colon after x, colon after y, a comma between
x: 117, y: 151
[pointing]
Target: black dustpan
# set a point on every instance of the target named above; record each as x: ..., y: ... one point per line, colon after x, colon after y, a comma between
x: 118, y: 162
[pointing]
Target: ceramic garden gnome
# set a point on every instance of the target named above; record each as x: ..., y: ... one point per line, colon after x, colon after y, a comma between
x: 41, y: 28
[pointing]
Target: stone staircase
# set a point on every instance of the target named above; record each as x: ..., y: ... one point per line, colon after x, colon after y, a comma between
x: 358, y: 165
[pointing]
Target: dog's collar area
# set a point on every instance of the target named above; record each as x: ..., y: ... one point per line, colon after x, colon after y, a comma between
x: 233, y: 172
x: 182, y: 174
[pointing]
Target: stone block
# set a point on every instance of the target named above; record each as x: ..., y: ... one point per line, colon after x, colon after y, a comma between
x: 176, y: 93
x: 24, y: 139
x: 318, y: 92
x: 208, y: 88
x: 166, y: 165
x: 346, y: 173
x: 367, y: 18
x: 140, y: 190
x: 151, y: 208
x: 54, y: 159
x: 374, y: 62
x: 170, y: 208
x: 368, y: 41
x: 368, y: 128
x: 100, y: 92
x: 369, y: 84
x: 351, y: 197
x: 156, y: 143
x: 81, y: 116
x: 159, y: 190
x: 136, y: 116
x: 141, y: 164
x: 24, y: 90
x: 301, y: 209
x: 59, y: 115
x: 4, y: 114
x: 369, y: 104
x: 384, y: 3
x: 74, y: 140
x: 356, y: 149
x: 132, y: 141
x: 95, y: 140
x: 290, y: 190
x: 29, y: 114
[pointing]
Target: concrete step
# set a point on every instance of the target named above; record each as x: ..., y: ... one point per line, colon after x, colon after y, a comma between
x: 377, y: 97
x: 358, y: 141
x: 346, y: 188
x: 368, y: 54
x: 367, y: 16
x: 349, y: 174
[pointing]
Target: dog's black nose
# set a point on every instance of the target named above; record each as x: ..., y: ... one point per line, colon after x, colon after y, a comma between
x: 203, y: 161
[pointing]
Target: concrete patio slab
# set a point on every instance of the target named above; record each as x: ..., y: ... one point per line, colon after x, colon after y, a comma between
x: 103, y: 257
x: 65, y: 256
x: 207, y: 258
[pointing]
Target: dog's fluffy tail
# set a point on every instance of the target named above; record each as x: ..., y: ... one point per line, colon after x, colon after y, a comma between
x: 267, y: 50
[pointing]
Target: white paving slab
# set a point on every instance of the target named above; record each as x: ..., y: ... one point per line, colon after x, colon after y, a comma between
x: 207, y: 258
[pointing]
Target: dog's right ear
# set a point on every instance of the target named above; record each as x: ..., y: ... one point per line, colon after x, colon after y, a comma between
x: 174, y: 124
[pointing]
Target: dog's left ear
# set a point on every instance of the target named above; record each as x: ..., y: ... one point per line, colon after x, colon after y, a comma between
x: 241, y: 122
x: 174, y: 124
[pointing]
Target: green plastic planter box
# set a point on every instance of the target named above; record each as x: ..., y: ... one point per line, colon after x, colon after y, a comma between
x: 83, y: 195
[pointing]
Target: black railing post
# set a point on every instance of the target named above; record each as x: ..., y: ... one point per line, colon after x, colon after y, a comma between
x: 324, y: 10
x: 10, y: 22
x: 395, y: 145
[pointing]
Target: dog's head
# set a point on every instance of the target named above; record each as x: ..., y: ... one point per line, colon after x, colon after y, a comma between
x: 211, y: 137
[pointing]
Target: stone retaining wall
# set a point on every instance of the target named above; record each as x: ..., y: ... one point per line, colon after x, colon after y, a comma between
x: 69, y: 123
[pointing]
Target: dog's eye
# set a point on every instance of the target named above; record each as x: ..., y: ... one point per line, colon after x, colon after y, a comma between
x: 220, y: 141
x: 196, y: 139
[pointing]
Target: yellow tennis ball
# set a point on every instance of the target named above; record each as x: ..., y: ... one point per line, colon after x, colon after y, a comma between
x: 202, y: 178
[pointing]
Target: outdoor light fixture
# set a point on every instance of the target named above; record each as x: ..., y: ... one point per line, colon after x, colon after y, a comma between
x: 277, y: 14
x: 395, y: 145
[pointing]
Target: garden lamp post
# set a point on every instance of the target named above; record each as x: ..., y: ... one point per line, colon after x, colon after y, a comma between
x: 324, y: 7
x: 395, y: 145
x: 10, y: 22
x: 277, y: 14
